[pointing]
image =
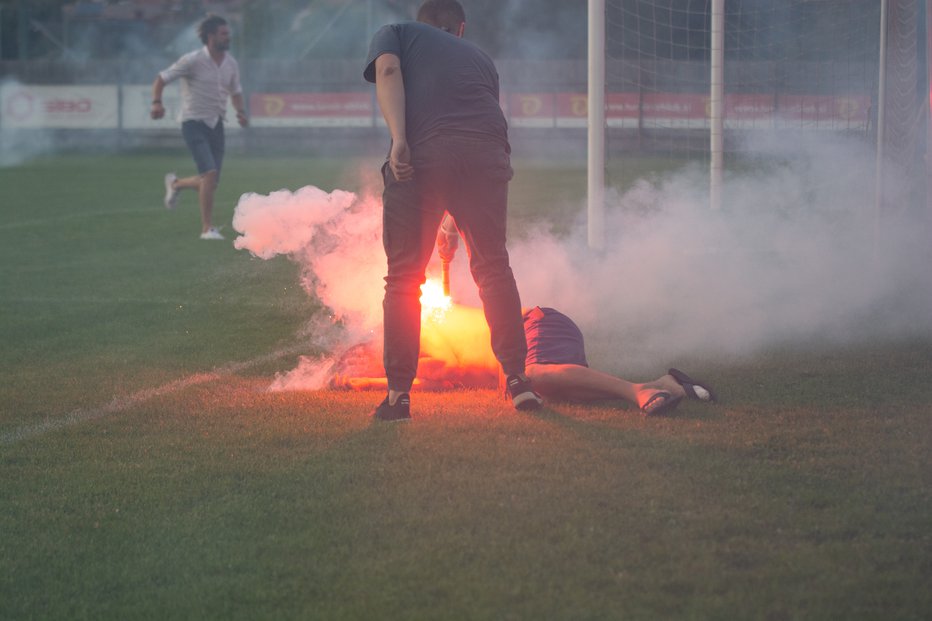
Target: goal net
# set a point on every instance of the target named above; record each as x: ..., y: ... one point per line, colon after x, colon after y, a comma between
x: 792, y: 68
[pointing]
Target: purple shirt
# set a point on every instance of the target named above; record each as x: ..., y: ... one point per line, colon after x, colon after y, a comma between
x: 553, y: 338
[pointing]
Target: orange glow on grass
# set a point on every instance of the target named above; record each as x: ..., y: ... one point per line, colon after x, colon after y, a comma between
x: 455, y: 341
x: 434, y: 303
x: 455, y: 350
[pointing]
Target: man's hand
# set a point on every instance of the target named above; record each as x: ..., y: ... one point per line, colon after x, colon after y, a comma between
x: 157, y: 110
x: 242, y: 118
x: 390, y: 92
x: 400, y: 161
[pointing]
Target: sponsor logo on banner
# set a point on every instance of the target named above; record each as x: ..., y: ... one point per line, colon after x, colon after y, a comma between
x: 312, y: 109
x: 823, y: 111
x: 675, y: 111
x: 531, y: 109
x: 58, y: 107
x: 622, y: 109
x: 572, y: 109
x: 749, y: 111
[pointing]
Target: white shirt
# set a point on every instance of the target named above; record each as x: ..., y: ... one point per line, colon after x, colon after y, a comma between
x: 205, y: 85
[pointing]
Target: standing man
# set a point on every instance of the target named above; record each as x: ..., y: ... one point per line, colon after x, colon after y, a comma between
x: 450, y: 152
x: 208, y: 76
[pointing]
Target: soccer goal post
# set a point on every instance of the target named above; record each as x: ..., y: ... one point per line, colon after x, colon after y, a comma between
x: 596, y: 153
x: 595, y: 173
x: 698, y: 80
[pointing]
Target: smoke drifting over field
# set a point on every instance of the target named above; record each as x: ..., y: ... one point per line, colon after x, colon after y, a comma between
x: 795, y: 257
x: 17, y: 145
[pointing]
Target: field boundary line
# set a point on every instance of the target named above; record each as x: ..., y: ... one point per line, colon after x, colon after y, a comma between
x: 125, y: 402
x: 127, y: 300
x: 80, y: 215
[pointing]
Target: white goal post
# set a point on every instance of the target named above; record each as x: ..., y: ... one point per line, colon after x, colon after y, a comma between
x: 595, y: 177
x: 794, y: 91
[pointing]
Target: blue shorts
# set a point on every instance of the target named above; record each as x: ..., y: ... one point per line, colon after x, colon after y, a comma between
x: 206, y: 145
x: 553, y: 338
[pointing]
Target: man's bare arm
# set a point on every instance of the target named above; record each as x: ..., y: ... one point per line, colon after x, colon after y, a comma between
x: 157, y: 110
x: 390, y: 92
x: 240, y: 106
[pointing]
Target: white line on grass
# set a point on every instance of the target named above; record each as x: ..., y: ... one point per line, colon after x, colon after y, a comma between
x: 179, y: 302
x: 120, y: 404
x: 77, y: 215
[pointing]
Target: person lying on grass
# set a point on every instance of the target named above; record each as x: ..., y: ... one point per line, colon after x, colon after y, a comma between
x: 556, y: 364
x: 556, y: 360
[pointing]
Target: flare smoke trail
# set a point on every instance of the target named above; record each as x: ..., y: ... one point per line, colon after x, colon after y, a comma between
x: 21, y: 145
x: 336, y: 239
x: 794, y: 258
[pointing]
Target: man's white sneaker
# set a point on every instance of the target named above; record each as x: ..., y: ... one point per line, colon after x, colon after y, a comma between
x: 171, y: 194
x: 211, y: 233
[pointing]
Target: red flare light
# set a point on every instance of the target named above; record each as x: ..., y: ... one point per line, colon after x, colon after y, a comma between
x: 455, y: 350
x: 434, y: 302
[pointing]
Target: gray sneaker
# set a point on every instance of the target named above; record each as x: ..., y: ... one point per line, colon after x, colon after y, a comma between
x: 211, y: 233
x: 171, y: 194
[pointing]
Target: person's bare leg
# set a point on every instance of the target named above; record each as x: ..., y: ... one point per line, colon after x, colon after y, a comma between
x: 573, y: 382
x: 393, y: 396
x: 205, y: 185
x: 206, y: 197
x: 188, y: 183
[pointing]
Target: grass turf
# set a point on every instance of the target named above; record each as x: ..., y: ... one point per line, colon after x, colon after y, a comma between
x: 806, y: 494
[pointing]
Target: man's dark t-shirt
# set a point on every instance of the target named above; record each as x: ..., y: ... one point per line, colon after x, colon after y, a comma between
x: 451, y: 86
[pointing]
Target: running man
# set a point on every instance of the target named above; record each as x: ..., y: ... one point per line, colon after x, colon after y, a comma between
x: 208, y: 76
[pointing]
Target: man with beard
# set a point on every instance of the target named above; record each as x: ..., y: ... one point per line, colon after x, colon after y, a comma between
x: 208, y: 77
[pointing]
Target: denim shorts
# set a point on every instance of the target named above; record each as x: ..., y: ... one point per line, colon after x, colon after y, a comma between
x: 206, y: 145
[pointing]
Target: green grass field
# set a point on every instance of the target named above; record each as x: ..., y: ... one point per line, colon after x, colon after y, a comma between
x: 148, y: 474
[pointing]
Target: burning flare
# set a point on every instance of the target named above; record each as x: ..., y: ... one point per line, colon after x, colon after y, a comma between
x: 434, y: 302
x: 334, y: 238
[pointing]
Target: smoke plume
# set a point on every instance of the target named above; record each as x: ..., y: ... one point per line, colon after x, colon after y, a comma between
x: 797, y: 256
x: 21, y: 145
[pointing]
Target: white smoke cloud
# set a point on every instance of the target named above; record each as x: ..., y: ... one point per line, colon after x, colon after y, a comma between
x: 795, y: 256
x: 336, y: 239
x: 21, y: 145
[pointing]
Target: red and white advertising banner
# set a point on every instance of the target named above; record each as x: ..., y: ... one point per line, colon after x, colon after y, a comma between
x: 747, y: 111
x: 572, y: 109
x: 312, y: 109
x: 691, y: 110
x: 675, y: 111
x: 531, y: 109
x: 28, y: 106
x: 137, y: 104
x: 823, y: 111
x: 657, y: 110
x: 622, y: 109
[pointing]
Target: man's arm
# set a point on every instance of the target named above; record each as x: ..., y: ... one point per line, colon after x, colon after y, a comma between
x: 157, y: 110
x: 390, y: 92
x: 240, y: 108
